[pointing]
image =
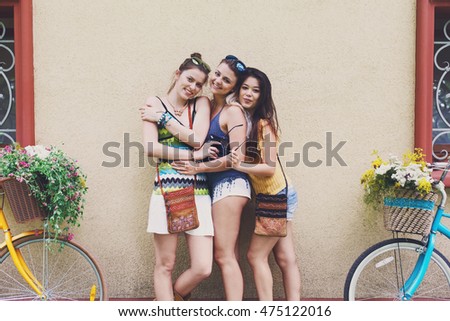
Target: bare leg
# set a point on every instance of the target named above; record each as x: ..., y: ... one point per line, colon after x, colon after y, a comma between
x: 258, y: 257
x: 285, y: 257
x: 165, y: 253
x: 226, y: 217
x: 201, y: 255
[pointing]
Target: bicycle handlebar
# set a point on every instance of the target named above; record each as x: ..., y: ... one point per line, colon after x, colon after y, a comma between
x: 445, y: 172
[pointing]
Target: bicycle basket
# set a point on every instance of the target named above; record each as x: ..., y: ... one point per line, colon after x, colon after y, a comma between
x: 409, y: 212
x: 23, y: 205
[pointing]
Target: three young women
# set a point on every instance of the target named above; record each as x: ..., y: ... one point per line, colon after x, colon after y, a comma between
x: 230, y: 189
x: 266, y: 176
x: 174, y: 125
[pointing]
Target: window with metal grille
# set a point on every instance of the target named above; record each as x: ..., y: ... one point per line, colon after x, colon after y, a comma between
x: 432, y: 109
x: 7, y: 77
x: 16, y: 73
x: 441, y: 86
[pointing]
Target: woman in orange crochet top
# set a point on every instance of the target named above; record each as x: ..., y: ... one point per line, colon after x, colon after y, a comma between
x: 266, y: 176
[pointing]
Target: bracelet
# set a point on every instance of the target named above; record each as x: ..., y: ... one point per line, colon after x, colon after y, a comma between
x: 164, y: 119
x: 160, y: 119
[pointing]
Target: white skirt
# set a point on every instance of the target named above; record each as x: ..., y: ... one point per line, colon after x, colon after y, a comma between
x: 157, y: 218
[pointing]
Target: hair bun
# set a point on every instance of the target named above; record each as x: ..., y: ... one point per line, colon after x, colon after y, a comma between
x: 196, y: 55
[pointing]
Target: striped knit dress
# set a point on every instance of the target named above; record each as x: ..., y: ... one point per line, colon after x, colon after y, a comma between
x: 171, y: 181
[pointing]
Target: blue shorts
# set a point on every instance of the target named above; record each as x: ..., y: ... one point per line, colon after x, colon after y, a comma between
x: 292, y: 201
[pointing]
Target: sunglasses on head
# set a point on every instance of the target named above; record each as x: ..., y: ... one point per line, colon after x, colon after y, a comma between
x: 199, y: 62
x: 240, y: 66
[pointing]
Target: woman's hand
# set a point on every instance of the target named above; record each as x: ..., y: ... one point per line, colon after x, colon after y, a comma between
x: 208, y: 150
x: 150, y: 114
x: 235, y: 160
x: 185, y: 167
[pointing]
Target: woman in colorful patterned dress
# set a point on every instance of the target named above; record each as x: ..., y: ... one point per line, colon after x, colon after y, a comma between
x: 179, y: 109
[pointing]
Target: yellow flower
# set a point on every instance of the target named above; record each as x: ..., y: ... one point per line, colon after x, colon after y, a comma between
x: 82, y: 182
x: 368, y: 176
x: 417, y: 157
x: 424, y: 186
x: 377, y: 162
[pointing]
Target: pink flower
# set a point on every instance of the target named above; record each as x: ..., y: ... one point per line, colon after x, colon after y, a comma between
x: 24, y: 164
x: 70, y: 236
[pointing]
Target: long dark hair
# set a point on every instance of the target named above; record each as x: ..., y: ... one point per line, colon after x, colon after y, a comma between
x: 264, y: 108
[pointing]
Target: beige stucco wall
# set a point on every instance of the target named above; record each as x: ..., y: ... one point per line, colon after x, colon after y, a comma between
x: 340, y: 66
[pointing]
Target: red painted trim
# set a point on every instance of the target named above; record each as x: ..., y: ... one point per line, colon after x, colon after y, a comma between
x: 424, y: 77
x: 25, y: 118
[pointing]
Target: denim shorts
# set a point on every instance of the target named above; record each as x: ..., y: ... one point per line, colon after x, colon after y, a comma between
x: 292, y: 201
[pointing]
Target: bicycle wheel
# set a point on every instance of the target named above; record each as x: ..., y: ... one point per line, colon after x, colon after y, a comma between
x: 379, y: 272
x: 64, y: 269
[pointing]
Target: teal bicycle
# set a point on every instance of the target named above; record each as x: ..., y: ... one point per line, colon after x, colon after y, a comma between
x: 404, y: 268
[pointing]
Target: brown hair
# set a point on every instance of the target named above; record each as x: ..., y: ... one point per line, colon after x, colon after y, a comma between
x: 231, y: 63
x: 195, y: 61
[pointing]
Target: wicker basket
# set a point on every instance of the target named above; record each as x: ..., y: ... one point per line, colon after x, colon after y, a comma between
x: 410, y: 212
x: 23, y: 205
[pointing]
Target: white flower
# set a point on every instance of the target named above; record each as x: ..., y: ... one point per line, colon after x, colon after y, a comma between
x: 38, y: 150
x: 383, y: 169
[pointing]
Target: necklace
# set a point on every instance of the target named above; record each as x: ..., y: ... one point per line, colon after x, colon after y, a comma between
x: 180, y: 111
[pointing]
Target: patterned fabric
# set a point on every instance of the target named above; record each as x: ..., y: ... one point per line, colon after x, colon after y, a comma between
x: 172, y: 181
x: 181, y: 210
x: 271, y: 205
x: 267, y: 226
x: 271, y: 211
x: 157, y: 218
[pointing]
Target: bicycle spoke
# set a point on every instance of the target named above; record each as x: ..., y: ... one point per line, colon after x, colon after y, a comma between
x: 67, y: 272
x: 380, y: 272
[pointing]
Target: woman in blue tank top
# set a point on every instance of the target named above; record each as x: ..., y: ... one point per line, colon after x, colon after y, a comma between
x: 230, y: 190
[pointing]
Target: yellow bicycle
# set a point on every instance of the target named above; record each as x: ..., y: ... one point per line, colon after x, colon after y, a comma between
x: 35, y: 266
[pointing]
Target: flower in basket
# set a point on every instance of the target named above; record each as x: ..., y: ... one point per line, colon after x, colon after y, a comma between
x: 55, y: 180
x: 386, y: 178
